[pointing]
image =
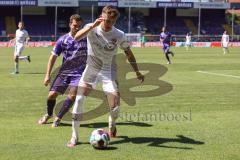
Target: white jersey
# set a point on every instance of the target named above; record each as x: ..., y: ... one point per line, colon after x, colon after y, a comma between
x: 103, y: 45
x: 21, y: 36
x: 225, y: 38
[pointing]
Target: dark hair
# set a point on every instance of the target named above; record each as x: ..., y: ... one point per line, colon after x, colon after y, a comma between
x: 111, y: 11
x: 75, y: 17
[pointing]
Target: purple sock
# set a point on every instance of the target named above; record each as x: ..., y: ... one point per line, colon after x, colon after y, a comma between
x: 66, y: 106
x: 50, y: 105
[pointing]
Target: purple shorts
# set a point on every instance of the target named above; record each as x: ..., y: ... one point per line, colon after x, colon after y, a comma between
x: 166, y: 47
x: 61, y: 83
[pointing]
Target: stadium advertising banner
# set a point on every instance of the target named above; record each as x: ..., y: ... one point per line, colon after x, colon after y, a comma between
x: 63, y: 3
x: 212, y: 5
x: 175, y: 4
x: 137, y: 4
x: 18, y: 2
x: 235, y: 5
x: 133, y: 44
x: 109, y: 2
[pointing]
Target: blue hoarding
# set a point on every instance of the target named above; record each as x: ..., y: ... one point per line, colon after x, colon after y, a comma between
x: 18, y: 2
x: 175, y: 4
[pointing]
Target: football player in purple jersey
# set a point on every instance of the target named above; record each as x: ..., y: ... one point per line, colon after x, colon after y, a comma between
x: 165, y: 38
x: 73, y: 64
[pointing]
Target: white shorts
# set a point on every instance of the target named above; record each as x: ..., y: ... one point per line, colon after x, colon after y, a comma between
x: 92, y: 76
x: 224, y: 44
x: 187, y: 43
x: 18, y: 49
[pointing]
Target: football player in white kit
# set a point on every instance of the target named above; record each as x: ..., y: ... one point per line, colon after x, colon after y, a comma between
x: 188, y: 41
x: 225, y: 42
x: 103, y: 41
x: 21, y: 39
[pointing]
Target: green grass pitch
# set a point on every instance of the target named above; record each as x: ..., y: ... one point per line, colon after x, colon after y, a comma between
x: 197, y: 118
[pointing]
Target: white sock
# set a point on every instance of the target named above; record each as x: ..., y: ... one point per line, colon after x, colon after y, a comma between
x: 77, y: 111
x: 114, y: 113
x: 23, y: 57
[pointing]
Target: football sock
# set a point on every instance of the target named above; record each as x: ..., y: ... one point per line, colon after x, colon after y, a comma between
x: 50, y: 105
x: 77, y: 110
x: 65, y: 107
x: 166, y: 54
x: 114, y: 113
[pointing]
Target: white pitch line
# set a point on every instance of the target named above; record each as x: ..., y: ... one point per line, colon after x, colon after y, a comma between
x: 219, y: 74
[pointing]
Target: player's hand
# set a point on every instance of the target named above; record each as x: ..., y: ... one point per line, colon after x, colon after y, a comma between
x: 46, y: 80
x: 97, y: 22
x: 140, y: 76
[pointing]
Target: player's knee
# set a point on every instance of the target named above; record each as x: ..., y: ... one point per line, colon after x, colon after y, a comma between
x: 16, y: 58
x: 85, y: 89
x: 52, y: 95
x: 72, y: 97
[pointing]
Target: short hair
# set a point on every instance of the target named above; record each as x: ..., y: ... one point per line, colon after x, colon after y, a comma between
x: 111, y: 11
x: 75, y: 17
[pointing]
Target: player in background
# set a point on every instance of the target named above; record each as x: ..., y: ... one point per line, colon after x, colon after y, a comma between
x: 74, y: 61
x: 188, y: 41
x: 143, y: 40
x: 21, y: 39
x: 225, y: 42
x: 103, y: 42
x: 165, y: 39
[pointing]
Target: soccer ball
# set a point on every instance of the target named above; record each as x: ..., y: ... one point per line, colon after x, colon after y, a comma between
x: 99, y: 139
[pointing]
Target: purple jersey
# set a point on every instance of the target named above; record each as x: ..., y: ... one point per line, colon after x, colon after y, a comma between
x: 74, y: 55
x: 166, y: 37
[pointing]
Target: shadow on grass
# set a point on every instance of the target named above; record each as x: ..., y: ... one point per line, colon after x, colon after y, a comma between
x: 104, y: 124
x: 159, y: 142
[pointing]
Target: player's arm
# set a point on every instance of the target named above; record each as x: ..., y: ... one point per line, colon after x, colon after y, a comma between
x: 51, y: 62
x: 161, y: 39
x: 12, y: 40
x: 27, y: 40
x: 222, y: 41
x: 83, y: 32
x: 57, y: 50
x: 132, y: 61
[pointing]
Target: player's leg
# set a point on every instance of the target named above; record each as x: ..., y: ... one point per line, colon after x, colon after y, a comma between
x: 67, y: 104
x: 87, y: 82
x: 114, y: 104
x: 113, y: 97
x: 166, y: 51
x: 51, y: 101
x: 58, y: 87
x: 16, y: 64
x: 16, y: 59
x: 187, y: 46
x: 78, y: 106
x: 25, y: 58
x: 227, y: 50
x: 169, y: 52
x: 224, y: 48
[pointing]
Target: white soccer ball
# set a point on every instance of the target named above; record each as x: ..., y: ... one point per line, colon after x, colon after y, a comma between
x: 99, y: 139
